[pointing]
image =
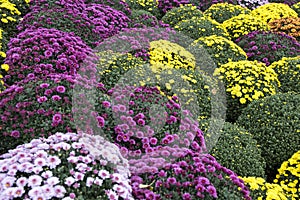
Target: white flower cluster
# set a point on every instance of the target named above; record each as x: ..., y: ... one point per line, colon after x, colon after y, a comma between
x: 37, y: 170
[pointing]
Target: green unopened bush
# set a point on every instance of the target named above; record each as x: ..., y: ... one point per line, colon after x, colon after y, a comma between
x: 274, y: 122
x: 233, y: 147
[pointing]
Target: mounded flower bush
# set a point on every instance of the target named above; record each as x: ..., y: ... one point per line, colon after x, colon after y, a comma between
x: 21, y: 5
x: 142, y: 18
x: 261, y: 189
x: 234, y: 148
x: 224, y: 11
x: 245, y: 82
x: 206, y: 4
x: 296, y: 7
x: 288, y: 70
x: 290, y: 26
x: 137, y: 40
x: 221, y: 49
x: 165, y: 6
x: 95, y: 23
x: 274, y: 123
x: 112, y: 67
x: 44, y: 51
x: 36, y: 107
x: 259, y: 44
x: 147, y: 5
x: 168, y: 55
x: 140, y: 119
x: 43, y: 5
x: 62, y: 20
x: 196, y: 27
x: 115, y: 4
x: 192, y: 176
x: 252, y: 4
x: 183, y: 12
x: 243, y: 24
x: 65, y: 166
x: 288, y: 176
x: 9, y: 18
x: 271, y: 11
x: 287, y: 2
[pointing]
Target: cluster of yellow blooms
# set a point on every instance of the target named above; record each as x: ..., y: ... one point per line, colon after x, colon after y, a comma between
x: 196, y: 27
x: 288, y: 70
x: 289, y: 176
x: 224, y: 11
x: 272, y: 11
x: 221, y: 49
x: 145, y: 4
x: 243, y: 24
x: 248, y: 80
x: 10, y: 9
x: 2, y: 56
x: 168, y: 55
x: 183, y: 12
x: 263, y: 190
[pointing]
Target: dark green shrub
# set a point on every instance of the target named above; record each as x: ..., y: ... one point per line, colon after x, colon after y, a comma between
x: 274, y: 122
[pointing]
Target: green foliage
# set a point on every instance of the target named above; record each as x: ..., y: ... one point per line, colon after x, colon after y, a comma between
x: 233, y: 147
x: 274, y: 122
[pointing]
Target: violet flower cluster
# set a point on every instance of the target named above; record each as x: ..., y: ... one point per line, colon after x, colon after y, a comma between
x: 259, y: 44
x: 166, y: 5
x: 192, y: 176
x: 64, y: 166
x: 41, y: 52
x: 40, y: 107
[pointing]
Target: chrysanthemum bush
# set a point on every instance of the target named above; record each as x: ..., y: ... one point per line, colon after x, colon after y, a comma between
x: 287, y: 2
x: 165, y: 6
x: 196, y: 27
x: 44, y: 51
x: 93, y: 24
x: 65, y: 166
x: 192, y: 176
x: 183, y: 12
x: 136, y: 40
x: 288, y: 70
x: 261, y: 189
x: 112, y: 66
x: 168, y: 55
x: 243, y: 24
x: 206, y: 4
x: 288, y: 176
x: 9, y: 18
x: 271, y: 11
x: 221, y: 49
x: 259, y: 44
x: 140, y: 119
x: 21, y: 5
x: 224, y: 11
x: 246, y: 81
x: 142, y: 18
x: 148, y: 5
x: 115, y: 4
x: 252, y: 4
x: 43, y: 5
x: 274, y: 123
x: 290, y: 26
x: 234, y: 148
x: 36, y: 107
x: 296, y: 7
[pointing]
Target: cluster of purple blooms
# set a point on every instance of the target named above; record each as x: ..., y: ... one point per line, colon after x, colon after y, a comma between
x: 259, y: 44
